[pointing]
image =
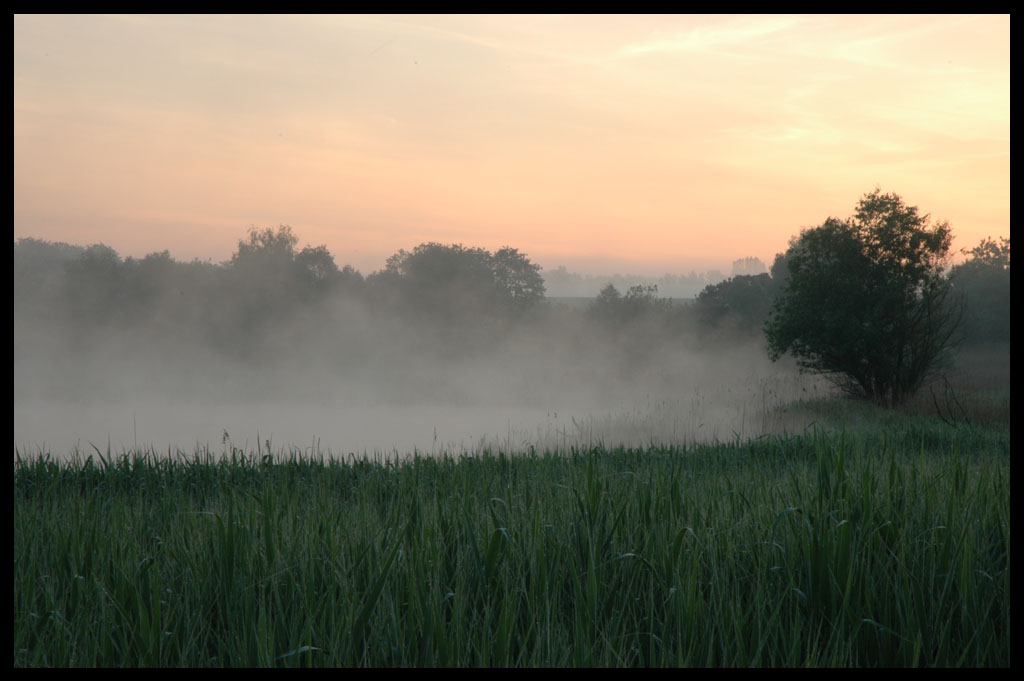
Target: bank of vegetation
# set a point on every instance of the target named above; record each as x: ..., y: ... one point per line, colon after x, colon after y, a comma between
x: 870, y: 302
x: 882, y: 545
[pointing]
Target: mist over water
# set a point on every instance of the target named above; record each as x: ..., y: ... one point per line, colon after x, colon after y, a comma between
x: 448, y: 350
x: 404, y: 394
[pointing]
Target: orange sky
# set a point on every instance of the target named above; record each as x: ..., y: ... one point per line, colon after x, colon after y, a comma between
x: 635, y: 144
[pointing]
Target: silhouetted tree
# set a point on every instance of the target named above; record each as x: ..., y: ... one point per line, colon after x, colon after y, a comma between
x: 740, y: 304
x: 780, y: 271
x: 269, y: 281
x: 518, y: 280
x: 606, y: 305
x: 984, y: 281
x: 265, y: 246
x: 640, y: 302
x: 445, y: 282
x: 867, y: 303
x: 316, y: 272
x: 643, y: 299
x: 453, y: 282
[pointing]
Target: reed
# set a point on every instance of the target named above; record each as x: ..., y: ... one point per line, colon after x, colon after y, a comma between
x: 886, y: 545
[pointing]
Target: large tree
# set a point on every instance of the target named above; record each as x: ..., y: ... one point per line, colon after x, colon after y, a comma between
x: 867, y: 302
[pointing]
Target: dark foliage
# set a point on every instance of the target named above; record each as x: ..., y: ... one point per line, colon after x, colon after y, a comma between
x: 984, y: 281
x: 739, y: 305
x: 640, y: 303
x: 454, y: 283
x: 867, y: 303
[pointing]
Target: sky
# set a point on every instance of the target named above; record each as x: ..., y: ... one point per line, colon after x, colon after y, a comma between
x: 640, y: 144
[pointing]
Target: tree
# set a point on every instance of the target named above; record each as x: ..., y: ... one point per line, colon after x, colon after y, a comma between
x: 749, y: 266
x: 641, y: 299
x: 453, y: 282
x: 518, y: 280
x: 867, y: 303
x: 266, y: 246
x: 316, y: 270
x: 267, y: 278
x: 444, y: 283
x: 39, y: 275
x: 640, y: 302
x: 94, y: 286
x: 740, y: 304
x: 606, y: 307
x: 984, y: 281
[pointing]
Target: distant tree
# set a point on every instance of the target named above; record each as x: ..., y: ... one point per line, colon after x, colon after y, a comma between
x: 713, y: 277
x: 94, y: 286
x: 607, y: 304
x: 39, y: 256
x: 867, y: 303
x: 39, y: 275
x: 269, y: 280
x: 780, y: 269
x: 146, y: 280
x: 316, y: 272
x: 748, y: 266
x: 383, y: 289
x: 158, y: 263
x: 266, y: 245
x: 990, y: 253
x: 351, y: 278
x: 639, y: 302
x: 518, y: 280
x: 263, y: 282
x: 444, y: 282
x: 453, y: 281
x: 984, y: 281
x: 740, y: 304
x: 317, y: 265
x: 642, y: 299
x: 561, y: 282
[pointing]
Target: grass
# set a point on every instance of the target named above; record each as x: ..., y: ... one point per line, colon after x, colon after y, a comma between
x: 884, y: 545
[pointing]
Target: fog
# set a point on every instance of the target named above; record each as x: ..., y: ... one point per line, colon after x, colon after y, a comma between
x: 126, y: 355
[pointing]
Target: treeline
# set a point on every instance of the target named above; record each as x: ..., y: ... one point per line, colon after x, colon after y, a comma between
x: 269, y: 283
x: 562, y: 283
x: 460, y: 294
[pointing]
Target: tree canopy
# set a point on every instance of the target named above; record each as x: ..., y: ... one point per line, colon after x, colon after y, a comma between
x: 984, y: 282
x: 867, y: 302
x: 455, y: 281
x: 740, y: 303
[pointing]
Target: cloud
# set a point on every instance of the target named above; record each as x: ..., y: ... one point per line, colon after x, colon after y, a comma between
x: 711, y: 38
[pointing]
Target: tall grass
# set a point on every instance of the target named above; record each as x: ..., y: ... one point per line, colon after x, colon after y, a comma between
x: 885, y: 546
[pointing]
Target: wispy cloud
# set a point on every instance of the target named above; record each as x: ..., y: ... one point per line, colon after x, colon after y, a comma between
x: 521, y: 126
x: 709, y: 38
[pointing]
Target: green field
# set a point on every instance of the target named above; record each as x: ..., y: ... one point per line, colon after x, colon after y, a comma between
x: 885, y: 543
